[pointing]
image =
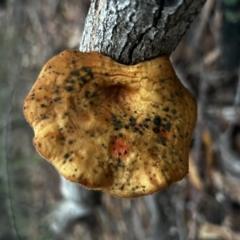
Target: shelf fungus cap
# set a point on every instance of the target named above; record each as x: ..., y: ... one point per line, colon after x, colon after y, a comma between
x: 125, y: 130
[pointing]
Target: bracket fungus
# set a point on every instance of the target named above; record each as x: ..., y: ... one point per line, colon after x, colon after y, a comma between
x: 125, y: 130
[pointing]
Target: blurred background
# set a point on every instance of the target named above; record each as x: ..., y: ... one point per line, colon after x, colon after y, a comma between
x: 204, y: 205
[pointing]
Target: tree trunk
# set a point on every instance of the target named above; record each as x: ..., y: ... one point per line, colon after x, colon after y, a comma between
x: 132, y: 31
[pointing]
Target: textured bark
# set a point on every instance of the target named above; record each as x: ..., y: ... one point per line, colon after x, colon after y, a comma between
x: 131, y: 31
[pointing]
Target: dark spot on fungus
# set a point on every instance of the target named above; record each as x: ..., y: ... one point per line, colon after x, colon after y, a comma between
x: 65, y: 114
x: 167, y: 126
x: 163, y: 141
x: 116, y: 123
x: 67, y: 155
x: 132, y: 121
x: 62, y: 138
x: 69, y: 88
x: 157, y: 120
x: 56, y: 99
x: 135, y: 129
x: 56, y: 89
x: 156, y: 130
x: 75, y: 73
x: 87, y: 94
x: 83, y: 80
x: 43, y: 116
x: 88, y: 71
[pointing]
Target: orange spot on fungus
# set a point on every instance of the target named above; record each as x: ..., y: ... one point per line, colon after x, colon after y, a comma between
x: 119, y: 148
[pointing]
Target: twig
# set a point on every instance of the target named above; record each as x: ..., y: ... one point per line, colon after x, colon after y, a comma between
x: 193, y: 226
x: 197, y: 147
x: 7, y: 126
x: 200, y: 119
x: 137, y: 225
x: 181, y: 226
x: 151, y: 204
x: 6, y: 131
x: 237, y: 96
x: 207, y: 9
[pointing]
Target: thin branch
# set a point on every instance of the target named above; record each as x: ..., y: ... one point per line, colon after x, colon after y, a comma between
x: 6, y: 170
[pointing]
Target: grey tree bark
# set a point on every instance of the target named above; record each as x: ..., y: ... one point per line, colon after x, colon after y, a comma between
x: 131, y: 31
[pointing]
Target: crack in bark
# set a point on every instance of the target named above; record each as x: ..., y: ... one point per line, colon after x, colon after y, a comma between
x: 132, y: 31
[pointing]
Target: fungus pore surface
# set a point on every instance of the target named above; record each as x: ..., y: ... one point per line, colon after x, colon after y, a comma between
x: 125, y: 130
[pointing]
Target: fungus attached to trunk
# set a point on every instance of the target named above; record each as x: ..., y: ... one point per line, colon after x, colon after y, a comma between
x: 125, y: 130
